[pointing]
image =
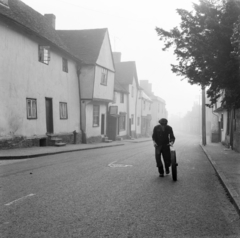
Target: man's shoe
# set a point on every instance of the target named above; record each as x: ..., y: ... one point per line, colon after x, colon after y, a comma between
x: 167, y: 171
x: 161, y: 175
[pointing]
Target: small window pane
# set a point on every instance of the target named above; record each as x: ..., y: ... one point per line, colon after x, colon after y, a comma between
x: 104, y: 76
x: 96, y: 111
x: 63, y: 110
x: 44, y: 54
x: 31, y: 108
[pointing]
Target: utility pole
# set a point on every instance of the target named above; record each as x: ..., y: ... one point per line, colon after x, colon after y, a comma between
x: 203, y: 117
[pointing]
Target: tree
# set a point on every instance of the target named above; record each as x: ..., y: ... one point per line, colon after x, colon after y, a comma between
x: 204, y: 48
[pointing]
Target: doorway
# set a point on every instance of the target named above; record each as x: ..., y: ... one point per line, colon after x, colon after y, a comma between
x: 102, y: 124
x: 49, y: 115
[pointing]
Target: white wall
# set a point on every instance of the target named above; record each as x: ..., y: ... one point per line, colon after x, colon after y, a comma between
x: 132, y: 103
x: 103, y: 91
x: 23, y: 76
x: 87, y: 81
x: 139, y: 113
x: 94, y: 131
x: 105, y: 58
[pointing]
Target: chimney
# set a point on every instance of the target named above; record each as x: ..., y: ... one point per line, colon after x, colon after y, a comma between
x: 50, y: 19
x: 117, y: 57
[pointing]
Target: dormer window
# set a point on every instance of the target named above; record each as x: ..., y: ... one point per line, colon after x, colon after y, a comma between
x: 4, y: 2
x: 44, y: 54
x: 104, y: 76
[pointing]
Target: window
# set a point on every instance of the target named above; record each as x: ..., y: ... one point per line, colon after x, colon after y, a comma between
x: 121, y: 98
x: 96, y: 111
x: 132, y: 119
x: 150, y: 106
x: 104, y: 76
x: 122, y: 122
x: 63, y: 110
x: 44, y: 54
x: 64, y: 65
x: 31, y: 108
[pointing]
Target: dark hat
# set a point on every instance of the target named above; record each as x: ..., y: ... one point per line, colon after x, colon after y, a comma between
x: 163, y: 121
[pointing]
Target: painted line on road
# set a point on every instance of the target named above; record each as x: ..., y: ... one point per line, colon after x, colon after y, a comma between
x: 19, y: 199
x: 112, y: 165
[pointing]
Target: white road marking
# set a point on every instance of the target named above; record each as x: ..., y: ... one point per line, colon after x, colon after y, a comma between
x: 112, y: 165
x: 29, y: 195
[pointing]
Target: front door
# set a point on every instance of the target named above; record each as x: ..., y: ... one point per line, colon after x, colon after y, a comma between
x: 49, y: 115
x: 102, y: 124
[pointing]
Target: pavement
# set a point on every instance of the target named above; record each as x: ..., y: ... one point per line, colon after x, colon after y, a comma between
x: 226, y: 162
x: 31, y: 152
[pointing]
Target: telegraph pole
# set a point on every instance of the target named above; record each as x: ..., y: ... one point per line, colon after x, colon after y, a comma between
x: 203, y: 117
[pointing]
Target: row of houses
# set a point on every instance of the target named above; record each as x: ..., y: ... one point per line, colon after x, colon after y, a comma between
x: 224, y: 125
x: 67, y: 85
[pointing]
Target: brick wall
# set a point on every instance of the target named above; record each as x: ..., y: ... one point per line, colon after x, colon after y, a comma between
x: 24, y: 142
x: 18, y: 142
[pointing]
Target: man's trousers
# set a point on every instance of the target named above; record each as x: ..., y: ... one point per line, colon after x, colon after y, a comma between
x: 164, y: 152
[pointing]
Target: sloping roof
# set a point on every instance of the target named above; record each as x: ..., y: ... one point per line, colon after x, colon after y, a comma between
x: 86, y: 44
x: 32, y: 20
x: 145, y: 96
x: 125, y: 72
x: 156, y: 98
x: 120, y: 87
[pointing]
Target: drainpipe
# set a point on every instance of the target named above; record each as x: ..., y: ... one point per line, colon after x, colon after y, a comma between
x: 79, y: 67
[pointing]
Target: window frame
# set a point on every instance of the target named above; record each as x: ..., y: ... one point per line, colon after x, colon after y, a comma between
x: 64, y: 65
x: 104, y: 77
x: 44, y: 54
x: 97, y: 116
x: 61, y: 114
x: 31, y: 117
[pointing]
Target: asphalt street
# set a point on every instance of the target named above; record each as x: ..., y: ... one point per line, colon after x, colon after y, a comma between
x: 115, y: 192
